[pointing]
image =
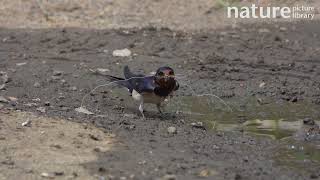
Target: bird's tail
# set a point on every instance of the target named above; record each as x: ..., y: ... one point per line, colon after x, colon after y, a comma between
x: 118, y: 80
x: 127, y: 73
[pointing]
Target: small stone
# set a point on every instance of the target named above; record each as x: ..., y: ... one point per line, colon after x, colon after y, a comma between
x: 41, y: 109
x: 261, y: 85
x: 198, y: 125
x: 169, y: 177
x: 57, y: 146
x: 13, y: 99
x: 36, y: 85
x: 102, y: 71
x: 36, y: 100
x: 204, y: 173
x: 47, y: 103
x: 3, y: 99
x: 5, y: 77
x: 63, y: 81
x: 1, y: 106
x: 172, y: 130
x: 55, y: 77
x: 121, y: 53
x: 26, y: 123
x: 30, y: 104
x: 83, y: 110
x: 59, y: 173
x: 21, y: 64
x: 2, y: 86
x: 93, y: 137
x: 283, y: 29
x: 57, y: 73
x: 61, y: 97
x: 73, y: 88
x: 264, y: 30
x: 47, y: 175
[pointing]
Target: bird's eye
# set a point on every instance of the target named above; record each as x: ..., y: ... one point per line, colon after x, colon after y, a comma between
x: 160, y: 73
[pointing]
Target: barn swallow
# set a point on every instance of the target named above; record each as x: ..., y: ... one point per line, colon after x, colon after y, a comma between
x: 149, y: 89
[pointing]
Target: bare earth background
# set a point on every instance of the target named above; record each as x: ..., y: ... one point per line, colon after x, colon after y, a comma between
x: 227, y: 57
x: 101, y: 14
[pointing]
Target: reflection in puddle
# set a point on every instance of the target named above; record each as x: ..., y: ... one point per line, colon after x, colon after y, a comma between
x: 298, y: 154
x: 276, y: 120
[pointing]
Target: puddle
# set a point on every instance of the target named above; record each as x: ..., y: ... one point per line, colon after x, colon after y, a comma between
x: 298, y: 155
x: 275, y: 120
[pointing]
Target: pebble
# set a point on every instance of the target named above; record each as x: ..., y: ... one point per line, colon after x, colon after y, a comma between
x: 36, y: 100
x: 41, y: 109
x: 55, y: 77
x: 261, y: 85
x: 2, y: 86
x: 57, y: 73
x: 121, y: 53
x: 172, y: 130
x: 26, y: 123
x: 13, y: 99
x: 30, y: 104
x: 101, y: 70
x: 4, y: 77
x: 198, y: 125
x: 47, y: 103
x: 204, y: 173
x: 21, y: 64
x: 73, y: 88
x: 83, y: 110
x: 36, y: 85
x: 169, y: 177
x: 264, y: 30
x: 59, y: 173
x: 3, y: 99
x: 283, y: 29
x: 47, y: 175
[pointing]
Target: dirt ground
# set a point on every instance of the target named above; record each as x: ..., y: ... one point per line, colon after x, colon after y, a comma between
x: 47, y: 71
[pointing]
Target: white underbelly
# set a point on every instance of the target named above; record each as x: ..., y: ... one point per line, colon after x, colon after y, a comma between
x: 147, y: 97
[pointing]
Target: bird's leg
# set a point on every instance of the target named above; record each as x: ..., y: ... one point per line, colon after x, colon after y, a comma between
x: 141, y: 109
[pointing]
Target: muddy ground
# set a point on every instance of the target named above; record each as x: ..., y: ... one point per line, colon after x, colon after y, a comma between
x: 274, y: 63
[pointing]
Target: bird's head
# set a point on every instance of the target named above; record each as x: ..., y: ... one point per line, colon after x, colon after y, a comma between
x: 165, y: 77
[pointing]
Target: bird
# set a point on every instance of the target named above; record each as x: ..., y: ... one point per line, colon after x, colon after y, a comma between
x: 153, y: 89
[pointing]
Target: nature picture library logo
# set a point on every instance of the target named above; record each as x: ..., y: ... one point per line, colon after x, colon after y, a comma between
x: 296, y: 12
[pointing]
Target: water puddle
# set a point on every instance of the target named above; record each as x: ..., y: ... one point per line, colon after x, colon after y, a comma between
x: 298, y: 155
x: 275, y: 120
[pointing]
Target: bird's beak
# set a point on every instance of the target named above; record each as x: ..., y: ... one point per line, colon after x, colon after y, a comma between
x: 166, y: 78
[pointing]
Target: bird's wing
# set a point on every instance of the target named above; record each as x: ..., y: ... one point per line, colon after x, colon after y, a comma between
x: 138, y: 82
x: 142, y: 84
